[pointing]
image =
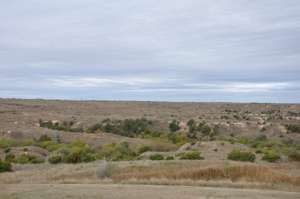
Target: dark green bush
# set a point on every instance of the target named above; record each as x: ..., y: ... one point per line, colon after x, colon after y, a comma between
x: 174, y: 126
x: 127, y: 127
x: 191, y: 155
x: 170, y: 158
x: 5, y: 166
x: 293, y: 128
x: 156, y: 157
x: 241, y: 156
x: 271, y: 156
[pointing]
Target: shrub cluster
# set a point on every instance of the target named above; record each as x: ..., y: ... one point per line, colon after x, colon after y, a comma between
x: 64, y: 126
x: 5, y: 166
x: 156, y: 156
x: 75, y: 152
x: 174, y: 126
x: 191, y: 155
x: 293, y: 128
x: 116, y: 152
x: 241, y: 156
x: 197, y: 130
x: 23, y: 159
x: 271, y: 156
x: 127, y: 127
x: 294, y: 156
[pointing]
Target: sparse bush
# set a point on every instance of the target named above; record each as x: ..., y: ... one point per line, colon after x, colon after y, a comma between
x: 144, y: 149
x: 156, y: 156
x: 116, y: 152
x: 7, y: 150
x: 241, y: 156
x: 293, y: 128
x: 28, y: 159
x: 5, y: 166
x: 174, y: 126
x: 9, y: 157
x: 55, y: 159
x: 44, y: 137
x: 170, y: 158
x: 271, y: 156
x: 177, y: 138
x: 294, y: 156
x: 50, y: 145
x: 64, y: 126
x: 191, y: 155
x: 127, y: 127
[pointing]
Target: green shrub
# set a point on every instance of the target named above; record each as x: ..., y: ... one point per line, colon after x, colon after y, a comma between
x: 170, y: 158
x: 5, y: 166
x: 7, y: 150
x: 28, y: 159
x: 294, y: 156
x: 191, y: 155
x: 241, y: 156
x: 174, y: 126
x: 293, y: 128
x: 50, y: 145
x: 271, y: 156
x: 177, y: 138
x: 116, y: 152
x: 9, y: 157
x: 127, y: 127
x: 156, y: 156
x: 55, y: 159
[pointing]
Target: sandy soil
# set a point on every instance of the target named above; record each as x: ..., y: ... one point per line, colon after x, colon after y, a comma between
x: 46, y: 191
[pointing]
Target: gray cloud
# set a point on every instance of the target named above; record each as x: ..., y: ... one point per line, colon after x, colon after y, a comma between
x: 194, y: 50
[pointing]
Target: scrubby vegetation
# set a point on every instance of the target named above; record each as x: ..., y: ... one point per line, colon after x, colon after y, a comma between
x: 199, y: 130
x: 115, y: 152
x: 241, y: 156
x: 5, y: 166
x: 294, y: 156
x: 63, y: 126
x: 127, y: 127
x: 293, y: 128
x: 75, y: 152
x: 191, y: 155
x: 271, y: 156
x: 156, y: 157
x: 174, y: 126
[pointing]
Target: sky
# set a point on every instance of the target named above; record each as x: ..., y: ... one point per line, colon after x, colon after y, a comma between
x: 151, y: 50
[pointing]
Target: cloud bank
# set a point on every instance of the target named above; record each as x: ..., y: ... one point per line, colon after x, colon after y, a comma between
x: 151, y: 50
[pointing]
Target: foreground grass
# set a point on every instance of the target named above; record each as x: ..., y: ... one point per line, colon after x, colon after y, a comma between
x: 96, y: 191
x: 181, y: 172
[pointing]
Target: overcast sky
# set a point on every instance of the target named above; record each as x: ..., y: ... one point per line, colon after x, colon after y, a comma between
x: 170, y: 50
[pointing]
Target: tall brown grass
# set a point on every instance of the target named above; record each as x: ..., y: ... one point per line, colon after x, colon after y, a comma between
x: 245, y: 173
